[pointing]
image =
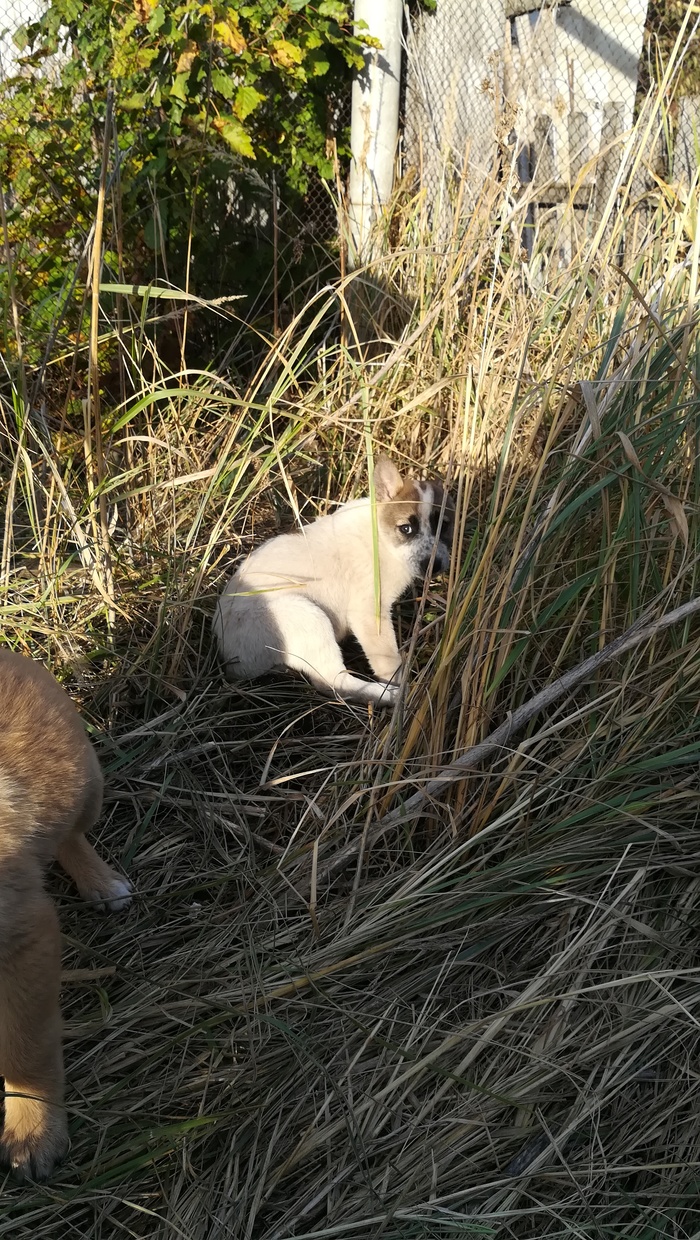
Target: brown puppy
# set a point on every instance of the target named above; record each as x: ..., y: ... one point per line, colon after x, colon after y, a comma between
x: 50, y: 794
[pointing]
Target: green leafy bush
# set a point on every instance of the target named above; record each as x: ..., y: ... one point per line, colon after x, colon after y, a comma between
x: 664, y: 20
x: 208, y: 100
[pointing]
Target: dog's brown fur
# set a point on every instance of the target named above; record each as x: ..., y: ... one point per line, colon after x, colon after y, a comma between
x: 50, y: 794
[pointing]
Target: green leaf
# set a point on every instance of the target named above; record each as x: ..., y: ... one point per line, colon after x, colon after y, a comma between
x: 223, y: 83
x: 150, y: 234
x: 178, y: 90
x: 319, y: 64
x: 354, y: 59
x: 156, y: 20
x: 134, y: 102
x: 247, y: 100
x: 334, y: 9
x: 235, y: 136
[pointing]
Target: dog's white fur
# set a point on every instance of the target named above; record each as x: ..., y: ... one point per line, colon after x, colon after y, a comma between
x: 298, y: 595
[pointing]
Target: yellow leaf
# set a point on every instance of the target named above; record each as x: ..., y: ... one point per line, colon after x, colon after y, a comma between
x: 672, y: 504
x: 286, y: 54
x: 629, y: 451
x: 184, y: 63
x: 679, y: 521
x: 229, y: 34
x: 143, y: 9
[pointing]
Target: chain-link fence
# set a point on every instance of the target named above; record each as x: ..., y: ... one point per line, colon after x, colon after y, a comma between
x: 557, y: 80
x: 13, y: 14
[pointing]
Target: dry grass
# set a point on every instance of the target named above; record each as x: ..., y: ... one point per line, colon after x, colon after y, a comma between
x: 487, y: 1022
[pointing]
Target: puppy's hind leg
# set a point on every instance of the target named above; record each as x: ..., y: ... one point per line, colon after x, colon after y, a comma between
x: 35, y: 1136
x: 308, y: 645
x: 96, y: 881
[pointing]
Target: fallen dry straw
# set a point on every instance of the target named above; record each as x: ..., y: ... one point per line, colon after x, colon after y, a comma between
x: 491, y: 1027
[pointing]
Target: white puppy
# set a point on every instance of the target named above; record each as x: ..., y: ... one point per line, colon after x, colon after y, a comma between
x: 298, y: 595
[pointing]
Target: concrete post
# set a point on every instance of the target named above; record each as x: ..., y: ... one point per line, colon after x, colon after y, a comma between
x: 375, y: 122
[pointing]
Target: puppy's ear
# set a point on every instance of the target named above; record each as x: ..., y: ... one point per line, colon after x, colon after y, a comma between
x: 387, y: 479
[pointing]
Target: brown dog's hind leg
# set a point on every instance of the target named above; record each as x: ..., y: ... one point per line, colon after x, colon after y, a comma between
x: 96, y: 881
x: 35, y: 1135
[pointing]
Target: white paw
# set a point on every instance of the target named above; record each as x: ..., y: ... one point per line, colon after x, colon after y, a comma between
x: 389, y: 695
x: 113, y: 897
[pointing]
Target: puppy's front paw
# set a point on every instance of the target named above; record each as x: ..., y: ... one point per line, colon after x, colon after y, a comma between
x: 389, y: 695
x: 113, y: 894
x: 33, y: 1140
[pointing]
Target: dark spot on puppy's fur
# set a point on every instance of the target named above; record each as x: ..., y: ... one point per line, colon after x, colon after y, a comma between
x: 444, y: 506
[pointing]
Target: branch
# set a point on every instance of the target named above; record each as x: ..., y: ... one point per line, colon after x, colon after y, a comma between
x: 497, y: 742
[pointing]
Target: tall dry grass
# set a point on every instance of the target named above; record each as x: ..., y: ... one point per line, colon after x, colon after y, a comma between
x: 368, y: 989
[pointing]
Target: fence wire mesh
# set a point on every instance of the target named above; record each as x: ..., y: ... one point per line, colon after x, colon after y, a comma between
x: 558, y: 81
x: 13, y: 15
x: 554, y: 81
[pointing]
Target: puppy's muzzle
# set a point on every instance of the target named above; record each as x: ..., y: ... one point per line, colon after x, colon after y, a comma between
x: 441, y: 561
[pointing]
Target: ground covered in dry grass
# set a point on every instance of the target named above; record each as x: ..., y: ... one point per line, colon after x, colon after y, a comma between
x: 358, y: 994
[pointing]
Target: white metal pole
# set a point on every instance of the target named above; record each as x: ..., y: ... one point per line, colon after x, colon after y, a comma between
x: 375, y: 121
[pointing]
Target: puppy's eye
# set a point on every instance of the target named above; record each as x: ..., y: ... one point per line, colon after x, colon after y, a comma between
x: 406, y: 529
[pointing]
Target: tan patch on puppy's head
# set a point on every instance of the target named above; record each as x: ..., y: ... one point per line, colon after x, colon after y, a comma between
x: 400, y: 498
x: 403, y: 507
x: 387, y: 479
x: 409, y: 515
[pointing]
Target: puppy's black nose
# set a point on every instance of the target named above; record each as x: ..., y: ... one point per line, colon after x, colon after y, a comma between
x: 441, y: 562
